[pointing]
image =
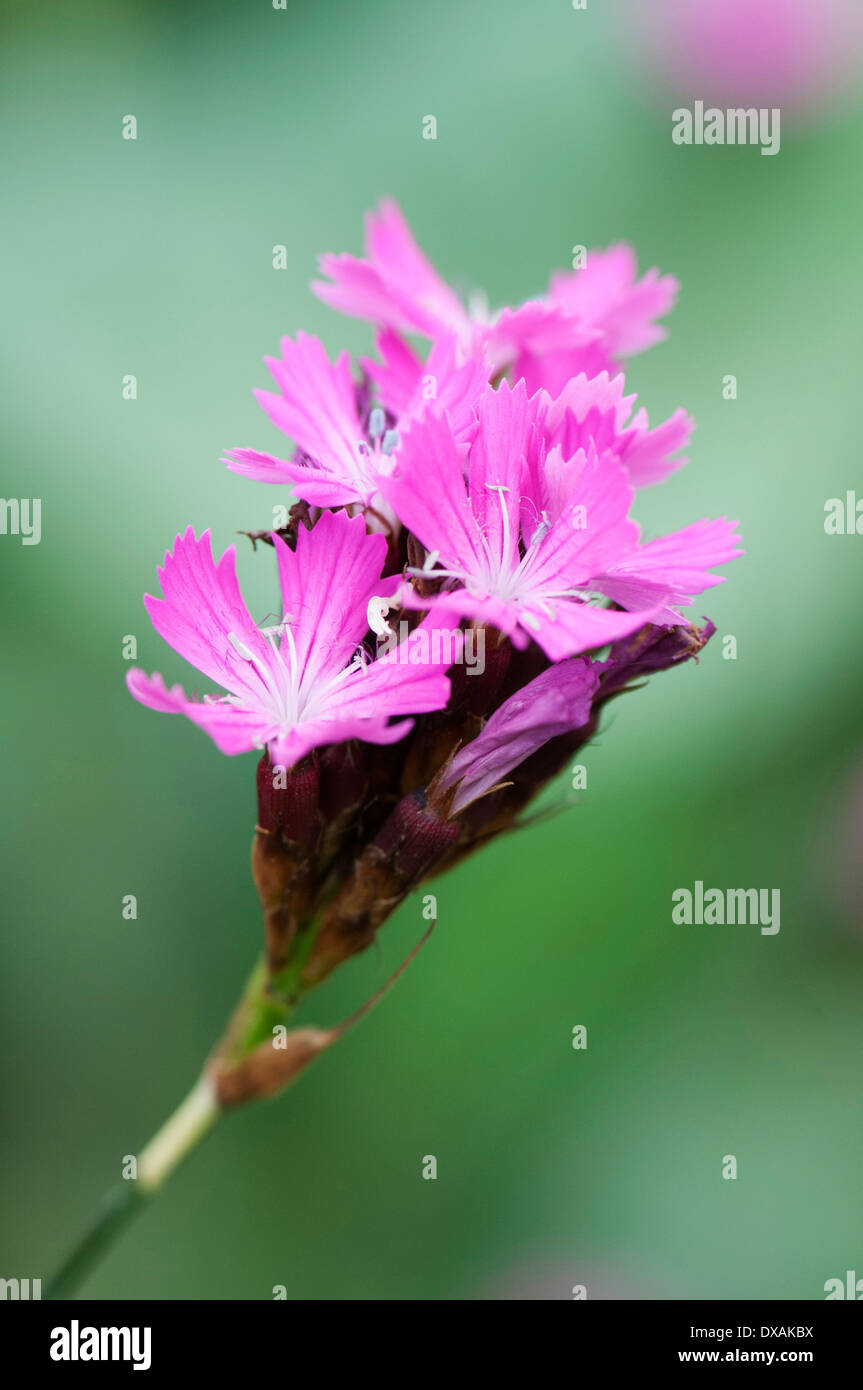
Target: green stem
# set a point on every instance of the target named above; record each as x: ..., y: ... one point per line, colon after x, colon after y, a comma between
x: 115, y: 1213
x: 263, y: 1004
x: 186, y: 1128
x: 178, y: 1136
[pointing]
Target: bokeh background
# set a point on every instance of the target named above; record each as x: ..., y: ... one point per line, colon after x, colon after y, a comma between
x: 556, y: 1167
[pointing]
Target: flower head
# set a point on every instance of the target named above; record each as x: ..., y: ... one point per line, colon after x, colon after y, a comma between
x: 474, y: 499
x: 587, y: 321
x: 307, y: 681
x: 788, y: 53
x: 593, y: 411
x: 522, y: 536
x: 339, y: 442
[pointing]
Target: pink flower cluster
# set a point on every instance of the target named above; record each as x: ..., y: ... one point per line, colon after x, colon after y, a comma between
x: 483, y: 482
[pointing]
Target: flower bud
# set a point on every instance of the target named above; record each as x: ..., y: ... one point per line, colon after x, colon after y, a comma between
x: 411, y: 842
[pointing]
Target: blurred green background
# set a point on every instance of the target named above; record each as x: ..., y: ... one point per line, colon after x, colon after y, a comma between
x: 556, y: 1167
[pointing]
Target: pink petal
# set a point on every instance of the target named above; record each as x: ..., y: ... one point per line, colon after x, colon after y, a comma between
x: 261, y: 468
x: 578, y: 627
x: 409, y: 679
x: 596, y: 411
x: 397, y: 287
x: 397, y: 375
x: 552, y: 370
x: 679, y: 562
x: 427, y: 492
x: 326, y: 586
x: 606, y: 295
x: 649, y: 458
x: 153, y: 692
x: 537, y: 326
x: 203, y: 615
x: 458, y: 386
x: 233, y: 728
x: 570, y: 554
x: 505, y: 417
x: 556, y: 702
x: 395, y: 254
x: 287, y: 748
x: 317, y: 408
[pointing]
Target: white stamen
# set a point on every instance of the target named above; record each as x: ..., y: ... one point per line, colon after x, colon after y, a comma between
x: 541, y: 531
x: 240, y: 647
x: 504, y: 558
x: 375, y: 613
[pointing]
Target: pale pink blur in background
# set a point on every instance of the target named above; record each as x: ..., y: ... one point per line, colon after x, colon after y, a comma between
x: 544, y: 1278
x: 800, y: 55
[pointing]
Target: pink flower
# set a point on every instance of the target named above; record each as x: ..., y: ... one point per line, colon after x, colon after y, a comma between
x: 594, y: 411
x: 529, y: 535
x: 315, y: 684
x: 616, y: 314
x: 406, y: 386
x: 318, y: 407
x: 586, y: 320
x: 787, y: 53
x: 557, y: 702
x: 607, y: 296
x: 396, y: 287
